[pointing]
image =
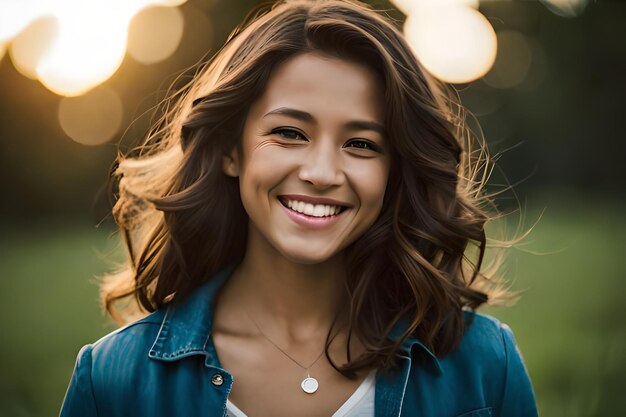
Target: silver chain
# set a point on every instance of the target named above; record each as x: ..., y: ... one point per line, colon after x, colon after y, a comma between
x: 279, y: 348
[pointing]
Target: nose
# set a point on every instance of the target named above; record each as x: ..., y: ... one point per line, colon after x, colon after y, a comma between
x: 322, y: 167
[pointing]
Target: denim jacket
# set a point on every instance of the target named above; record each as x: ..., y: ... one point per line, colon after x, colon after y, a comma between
x: 165, y: 365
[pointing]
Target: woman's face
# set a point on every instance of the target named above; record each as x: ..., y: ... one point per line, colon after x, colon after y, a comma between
x: 314, y: 162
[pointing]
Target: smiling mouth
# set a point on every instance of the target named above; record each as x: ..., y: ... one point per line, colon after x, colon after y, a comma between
x: 312, y: 210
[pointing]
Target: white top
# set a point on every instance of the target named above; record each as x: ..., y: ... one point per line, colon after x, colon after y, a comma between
x: 360, y: 403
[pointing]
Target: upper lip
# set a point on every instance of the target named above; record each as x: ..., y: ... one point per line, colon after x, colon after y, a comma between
x: 313, y: 200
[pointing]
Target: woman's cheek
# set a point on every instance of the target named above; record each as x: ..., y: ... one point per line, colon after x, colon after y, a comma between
x: 371, y: 182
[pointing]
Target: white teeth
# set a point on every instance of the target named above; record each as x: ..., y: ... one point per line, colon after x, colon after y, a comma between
x: 315, y: 210
x: 319, y: 210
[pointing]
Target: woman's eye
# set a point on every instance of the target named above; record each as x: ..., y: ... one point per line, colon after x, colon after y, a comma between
x: 289, y: 134
x: 363, y: 144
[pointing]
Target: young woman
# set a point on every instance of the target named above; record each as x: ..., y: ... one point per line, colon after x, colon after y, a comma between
x: 300, y: 227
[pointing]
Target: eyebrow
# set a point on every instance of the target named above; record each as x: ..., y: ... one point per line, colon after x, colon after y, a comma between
x: 307, y: 117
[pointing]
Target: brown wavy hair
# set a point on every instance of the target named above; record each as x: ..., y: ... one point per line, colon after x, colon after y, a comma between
x: 421, y: 261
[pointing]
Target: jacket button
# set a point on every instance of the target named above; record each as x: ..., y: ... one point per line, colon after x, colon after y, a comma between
x: 217, y: 380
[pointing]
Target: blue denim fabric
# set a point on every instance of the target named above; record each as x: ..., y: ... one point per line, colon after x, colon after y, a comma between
x: 165, y: 365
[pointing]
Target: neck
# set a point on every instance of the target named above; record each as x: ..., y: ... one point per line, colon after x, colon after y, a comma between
x: 297, y: 301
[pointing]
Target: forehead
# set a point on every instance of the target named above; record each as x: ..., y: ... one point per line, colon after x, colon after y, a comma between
x: 327, y: 87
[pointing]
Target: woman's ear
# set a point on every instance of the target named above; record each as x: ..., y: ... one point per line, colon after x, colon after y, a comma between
x: 230, y: 164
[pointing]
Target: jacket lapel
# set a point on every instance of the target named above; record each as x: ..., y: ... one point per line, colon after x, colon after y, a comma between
x: 186, y: 327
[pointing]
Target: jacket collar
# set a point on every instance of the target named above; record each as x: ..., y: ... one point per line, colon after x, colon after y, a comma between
x: 186, y: 328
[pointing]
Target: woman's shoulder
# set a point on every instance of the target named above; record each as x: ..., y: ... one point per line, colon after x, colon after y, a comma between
x: 483, y: 331
x: 487, y: 353
x: 487, y: 347
x: 487, y: 365
x: 132, y: 339
x: 111, y: 367
x: 485, y: 337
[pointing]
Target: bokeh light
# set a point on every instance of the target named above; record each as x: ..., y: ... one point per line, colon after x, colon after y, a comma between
x: 89, y: 43
x: 30, y: 45
x: 93, y: 118
x: 513, y: 61
x: 566, y: 8
x: 155, y: 33
x: 455, y: 43
x: 409, y: 6
x: 16, y: 15
x: 89, y: 49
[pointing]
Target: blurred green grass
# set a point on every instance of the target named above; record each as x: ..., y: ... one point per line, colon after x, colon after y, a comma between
x: 48, y: 309
x: 569, y: 322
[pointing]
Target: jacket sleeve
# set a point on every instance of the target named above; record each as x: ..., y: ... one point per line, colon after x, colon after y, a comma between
x: 518, y: 398
x: 79, y: 399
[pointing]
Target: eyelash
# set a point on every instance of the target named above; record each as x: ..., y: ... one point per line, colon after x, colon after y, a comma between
x: 371, y: 145
x: 278, y: 131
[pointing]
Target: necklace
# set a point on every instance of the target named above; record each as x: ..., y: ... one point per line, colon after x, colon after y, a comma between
x: 308, y: 384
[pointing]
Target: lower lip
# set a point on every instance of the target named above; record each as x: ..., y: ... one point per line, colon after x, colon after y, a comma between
x: 311, y: 221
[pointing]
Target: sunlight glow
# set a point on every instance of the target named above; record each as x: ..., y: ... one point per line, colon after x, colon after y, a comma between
x: 88, y: 46
x: 31, y: 44
x: 16, y: 15
x: 455, y: 43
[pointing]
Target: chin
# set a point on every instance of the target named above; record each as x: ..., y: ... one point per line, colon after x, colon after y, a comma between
x: 309, y: 256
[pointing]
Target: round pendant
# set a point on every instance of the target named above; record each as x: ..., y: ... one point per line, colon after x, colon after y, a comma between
x: 309, y: 385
